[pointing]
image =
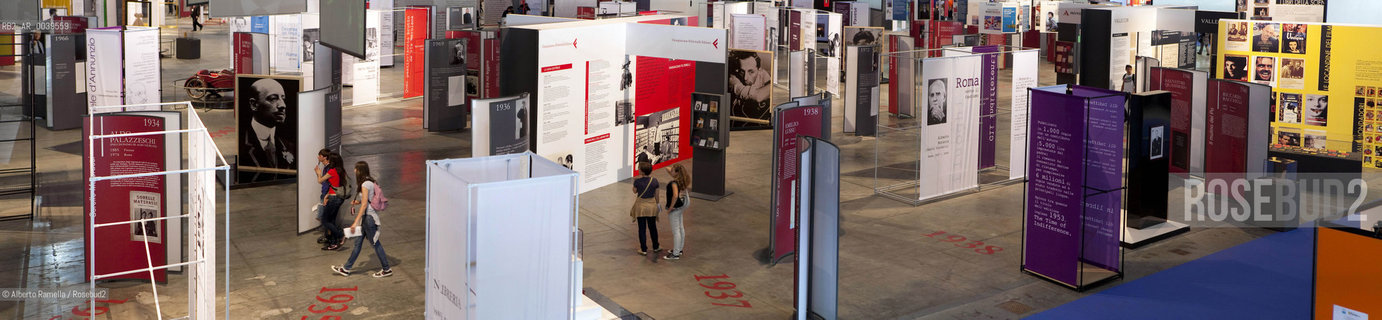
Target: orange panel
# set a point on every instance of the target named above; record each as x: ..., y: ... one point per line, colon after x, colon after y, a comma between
x: 1348, y: 273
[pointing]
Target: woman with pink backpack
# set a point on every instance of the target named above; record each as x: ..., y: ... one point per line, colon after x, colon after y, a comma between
x: 371, y: 200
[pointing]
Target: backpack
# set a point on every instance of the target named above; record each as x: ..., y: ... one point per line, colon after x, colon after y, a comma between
x: 343, y: 191
x: 377, y: 200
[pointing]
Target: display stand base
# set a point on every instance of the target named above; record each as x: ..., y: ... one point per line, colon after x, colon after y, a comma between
x: 1134, y: 238
x: 710, y: 197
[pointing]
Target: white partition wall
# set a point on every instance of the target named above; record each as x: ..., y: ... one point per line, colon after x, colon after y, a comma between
x: 500, y: 237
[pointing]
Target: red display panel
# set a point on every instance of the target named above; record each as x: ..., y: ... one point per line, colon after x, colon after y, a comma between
x: 663, y: 84
x: 123, y: 248
x: 789, y: 126
x: 415, y: 34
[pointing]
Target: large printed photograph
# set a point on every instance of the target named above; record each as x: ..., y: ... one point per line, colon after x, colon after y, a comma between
x: 750, y: 86
x: 1266, y: 37
x: 656, y: 136
x: 267, y: 110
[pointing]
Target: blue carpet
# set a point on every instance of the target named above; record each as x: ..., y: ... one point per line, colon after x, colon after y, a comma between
x: 1267, y: 278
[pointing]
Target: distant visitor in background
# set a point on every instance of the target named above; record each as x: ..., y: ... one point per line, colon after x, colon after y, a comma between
x: 678, y: 199
x: 645, y: 208
x: 935, y: 101
x: 523, y: 8
x: 197, y: 18
x: 1129, y: 81
x: 507, y: 11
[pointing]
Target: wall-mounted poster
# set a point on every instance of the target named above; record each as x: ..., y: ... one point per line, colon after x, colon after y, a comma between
x: 750, y: 87
x: 1266, y: 37
x: 266, y: 107
x: 656, y: 136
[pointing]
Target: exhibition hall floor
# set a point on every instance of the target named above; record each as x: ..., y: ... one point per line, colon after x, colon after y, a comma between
x: 889, y: 268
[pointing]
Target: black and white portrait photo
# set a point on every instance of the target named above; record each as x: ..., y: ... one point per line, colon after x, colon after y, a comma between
x: 623, y: 112
x: 936, y: 94
x: 267, y: 110
x: 458, y: 53
x: 309, y: 44
x: 1156, y: 146
x: 750, y: 83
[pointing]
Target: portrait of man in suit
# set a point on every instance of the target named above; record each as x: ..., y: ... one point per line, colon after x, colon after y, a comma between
x: 266, y: 137
x: 935, y: 101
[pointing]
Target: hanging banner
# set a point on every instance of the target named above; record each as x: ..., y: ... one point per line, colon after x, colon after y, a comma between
x: 287, y: 43
x: 1024, y: 76
x: 790, y: 123
x: 988, y: 107
x: 1187, y: 117
x: 104, y: 67
x: 131, y: 247
x: 366, y: 72
x: 833, y: 51
x: 861, y: 98
x: 386, y: 30
x: 1054, y: 191
x: 415, y: 36
x: 142, y: 79
x: 950, y: 134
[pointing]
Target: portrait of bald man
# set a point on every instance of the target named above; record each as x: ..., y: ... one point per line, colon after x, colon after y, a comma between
x: 267, y: 137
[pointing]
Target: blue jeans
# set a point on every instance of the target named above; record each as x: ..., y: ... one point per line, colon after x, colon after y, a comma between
x: 328, y: 217
x: 368, y: 230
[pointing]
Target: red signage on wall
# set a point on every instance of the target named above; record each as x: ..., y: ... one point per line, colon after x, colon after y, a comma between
x: 415, y: 34
x: 244, y: 53
x: 661, y: 84
x: 123, y: 247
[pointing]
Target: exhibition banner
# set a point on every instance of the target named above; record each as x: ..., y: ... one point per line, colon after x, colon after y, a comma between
x: 861, y: 98
x: 790, y: 123
x: 799, y: 80
x: 1054, y: 189
x: 104, y: 67
x: 235, y: 25
x: 259, y: 24
x: 749, y: 32
x: 142, y: 77
x: 1103, y: 177
x: 287, y: 43
x: 415, y: 35
x: 1229, y: 127
x: 365, y: 73
x: 1187, y: 127
x: 794, y: 30
x: 901, y: 70
x: 950, y: 135
x: 498, y: 125
x: 133, y: 247
x: 445, y: 102
x: 65, y: 88
x: 267, y: 120
x: 990, y: 18
x: 385, y: 31
x: 662, y: 101
x: 834, y: 49
x: 1024, y: 76
x: 988, y: 106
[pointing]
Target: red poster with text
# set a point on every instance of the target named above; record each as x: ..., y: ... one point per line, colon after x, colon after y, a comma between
x: 1181, y: 85
x: 662, y: 103
x: 121, y: 248
x: 415, y: 34
x: 788, y: 126
x: 892, y: 72
x: 490, y: 81
x: 244, y: 53
x: 1226, y: 131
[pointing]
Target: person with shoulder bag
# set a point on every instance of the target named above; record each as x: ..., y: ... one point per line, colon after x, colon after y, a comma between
x: 332, y: 179
x: 367, y: 219
x: 645, y: 209
x: 678, y: 199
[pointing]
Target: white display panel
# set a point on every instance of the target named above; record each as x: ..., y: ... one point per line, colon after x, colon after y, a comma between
x: 833, y: 49
x: 796, y: 73
x: 749, y: 32
x: 287, y: 43
x: 386, y: 32
x: 575, y: 53
x: 950, y: 125
x: 105, y: 59
x: 366, y: 72
x: 518, y: 264
x: 1024, y: 77
x: 1365, y: 12
x: 311, y: 139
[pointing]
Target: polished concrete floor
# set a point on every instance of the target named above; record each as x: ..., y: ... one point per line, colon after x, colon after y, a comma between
x: 889, y: 268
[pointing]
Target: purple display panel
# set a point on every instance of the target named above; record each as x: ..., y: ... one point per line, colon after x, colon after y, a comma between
x: 1103, y: 180
x: 1054, y: 189
x: 988, y: 107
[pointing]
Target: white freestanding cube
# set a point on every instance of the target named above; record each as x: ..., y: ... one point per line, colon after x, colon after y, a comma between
x: 502, y: 239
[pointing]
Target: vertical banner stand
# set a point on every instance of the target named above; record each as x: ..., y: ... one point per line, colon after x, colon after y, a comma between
x: 818, y: 231
x: 1149, y: 160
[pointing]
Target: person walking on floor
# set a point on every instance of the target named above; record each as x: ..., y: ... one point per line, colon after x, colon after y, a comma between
x: 678, y: 199
x: 196, y: 18
x: 335, y: 196
x: 645, y: 209
x: 367, y: 219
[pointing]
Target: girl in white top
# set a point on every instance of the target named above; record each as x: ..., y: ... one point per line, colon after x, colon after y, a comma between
x: 370, y: 227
